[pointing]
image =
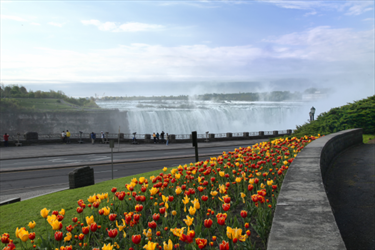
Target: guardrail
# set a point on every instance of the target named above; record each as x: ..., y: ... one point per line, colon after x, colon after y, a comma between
x: 56, y: 137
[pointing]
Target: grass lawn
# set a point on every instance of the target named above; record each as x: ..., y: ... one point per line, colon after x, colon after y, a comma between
x: 21, y: 213
x: 367, y: 138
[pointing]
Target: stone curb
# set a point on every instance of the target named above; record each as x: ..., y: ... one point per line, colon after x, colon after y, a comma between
x: 303, y: 217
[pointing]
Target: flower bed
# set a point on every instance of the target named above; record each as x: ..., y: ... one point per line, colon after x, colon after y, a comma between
x: 226, y: 202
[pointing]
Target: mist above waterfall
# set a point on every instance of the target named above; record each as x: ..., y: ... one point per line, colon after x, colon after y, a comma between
x: 182, y: 117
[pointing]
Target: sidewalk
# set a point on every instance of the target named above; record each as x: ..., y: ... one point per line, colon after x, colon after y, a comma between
x: 52, y: 150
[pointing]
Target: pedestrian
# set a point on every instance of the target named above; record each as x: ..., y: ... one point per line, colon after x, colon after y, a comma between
x: 157, y: 136
x: 102, y: 136
x: 67, y: 136
x: 93, y: 137
x: 6, y: 138
x: 63, y: 137
x: 167, y: 139
x: 154, y: 135
x: 162, y: 136
x: 312, y: 110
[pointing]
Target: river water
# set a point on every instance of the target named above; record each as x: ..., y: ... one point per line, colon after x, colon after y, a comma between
x: 182, y: 117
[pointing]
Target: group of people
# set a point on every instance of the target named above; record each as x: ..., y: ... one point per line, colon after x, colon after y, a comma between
x: 65, y: 136
x: 158, y: 138
x: 93, y: 137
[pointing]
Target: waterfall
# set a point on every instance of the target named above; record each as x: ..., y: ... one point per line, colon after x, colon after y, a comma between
x: 178, y: 117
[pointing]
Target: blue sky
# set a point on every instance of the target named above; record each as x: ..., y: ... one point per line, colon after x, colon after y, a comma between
x: 185, y: 47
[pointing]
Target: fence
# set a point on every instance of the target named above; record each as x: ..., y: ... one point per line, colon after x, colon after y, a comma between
x: 147, y: 137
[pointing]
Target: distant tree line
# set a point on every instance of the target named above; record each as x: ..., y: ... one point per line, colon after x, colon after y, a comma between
x: 15, y: 91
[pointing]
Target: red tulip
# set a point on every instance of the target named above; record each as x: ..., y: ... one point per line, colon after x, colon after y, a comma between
x: 60, y: 217
x: 112, y: 217
x: 75, y: 219
x: 85, y: 230
x: 243, y: 214
x: 138, y: 208
x: 58, y: 235
x: 156, y: 217
x: 227, y: 200
x: 250, y: 187
x: 79, y: 210
x: 162, y: 210
x: 55, y: 212
x: 208, y: 223
x: 221, y: 221
x: 93, y: 227
x: 136, y: 217
x: 31, y: 236
x: 112, y: 233
x: 152, y: 224
x: 224, y: 245
x: 136, y: 239
x: 113, y: 190
x: 143, y: 189
x: 170, y: 198
x: 204, y: 197
x: 201, y: 243
x: 226, y: 206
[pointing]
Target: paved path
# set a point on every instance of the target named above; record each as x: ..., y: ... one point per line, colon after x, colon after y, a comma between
x: 48, y: 150
x: 351, y: 192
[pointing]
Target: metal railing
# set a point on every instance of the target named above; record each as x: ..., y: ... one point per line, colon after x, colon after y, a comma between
x: 56, y: 136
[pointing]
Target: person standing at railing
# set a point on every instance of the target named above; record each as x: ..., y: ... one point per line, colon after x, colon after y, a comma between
x: 102, y: 136
x: 93, y: 137
x: 63, y: 137
x: 154, y: 136
x: 157, y: 136
x: 167, y: 139
x: 162, y: 136
x: 6, y: 138
x: 67, y: 136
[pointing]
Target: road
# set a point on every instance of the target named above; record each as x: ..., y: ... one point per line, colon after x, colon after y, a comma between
x: 56, y: 174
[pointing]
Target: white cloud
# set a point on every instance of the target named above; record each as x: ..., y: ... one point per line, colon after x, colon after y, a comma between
x: 368, y: 19
x: 35, y: 23
x: 125, y: 27
x: 56, y: 24
x: 349, y: 7
x: 14, y: 18
x: 316, y: 52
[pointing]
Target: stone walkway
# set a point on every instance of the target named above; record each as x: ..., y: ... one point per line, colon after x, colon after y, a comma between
x: 351, y: 192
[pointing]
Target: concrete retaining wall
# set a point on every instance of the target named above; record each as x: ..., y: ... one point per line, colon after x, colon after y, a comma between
x: 303, y: 218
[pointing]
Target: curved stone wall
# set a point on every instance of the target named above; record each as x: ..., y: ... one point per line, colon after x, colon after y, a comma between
x: 303, y: 217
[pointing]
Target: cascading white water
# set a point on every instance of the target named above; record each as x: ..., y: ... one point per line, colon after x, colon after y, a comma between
x: 181, y: 117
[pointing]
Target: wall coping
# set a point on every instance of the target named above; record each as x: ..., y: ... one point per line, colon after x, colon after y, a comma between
x: 303, y: 217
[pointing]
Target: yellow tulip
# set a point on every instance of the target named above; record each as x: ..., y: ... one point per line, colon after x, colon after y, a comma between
x: 55, y: 225
x: 154, y: 191
x: 150, y: 246
x: 89, y: 220
x: 222, y: 173
x: 258, y: 173
x: 192, y: 210
x: 51, y: 218
x: 92, y: 199
x: 62, y: 212
x: 173, y: 171
x: 120, y: 228
x: 174, y: 213
x: 141, y: 180
x: 152, y: 177
x: 178, y: 190
x: 270, y: 182
x: 251, y: 180
x: 178, y: 231
x: 68, y: 237
x: 213, y: 193
x: 238, y: 179
x: 18, y: 231
x: 185, y: 201
x: 44, y: 212
x: 169, y: 246
x: 165, y: 169
x: 262, y: 185
x: 177, y: 176
x: 32, y: 224
x: 236, y: 233
x: 106, y: 210
x: 222, y: 189
x: 147, y: 233
x: 107, y: 247
x: 189, y: 220
x: 243, y: 195
x: 134, y: 180
x: 23, y: 235
x: 196, y: 203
